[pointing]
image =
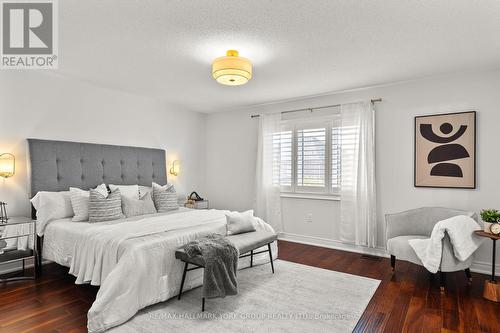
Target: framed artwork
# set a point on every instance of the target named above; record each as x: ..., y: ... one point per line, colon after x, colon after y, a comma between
x: 445, y: 150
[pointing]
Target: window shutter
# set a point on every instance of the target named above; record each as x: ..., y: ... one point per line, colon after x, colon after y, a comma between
x: 336, y: 158
x: 311, y: 144
x: 282, y: 158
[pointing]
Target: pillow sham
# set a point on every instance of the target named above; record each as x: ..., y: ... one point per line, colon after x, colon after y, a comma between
x: 105, y: 208
x: 129, y: 191
x: 165, y: 197
x: 51, y: 206
x: 134, y: 207
x: 145, y: 189
x: 238, y: 223
x: 80, y: 202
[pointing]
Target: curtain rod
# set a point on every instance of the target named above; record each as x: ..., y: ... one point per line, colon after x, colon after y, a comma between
x: 375, y: 100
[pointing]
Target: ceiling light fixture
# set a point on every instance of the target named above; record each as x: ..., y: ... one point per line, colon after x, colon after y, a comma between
x: 232, y: 70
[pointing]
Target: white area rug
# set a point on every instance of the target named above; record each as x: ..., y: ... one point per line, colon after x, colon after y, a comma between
x: 297, y: 298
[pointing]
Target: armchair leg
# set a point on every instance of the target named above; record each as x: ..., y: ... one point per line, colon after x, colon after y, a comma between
x: 469, y: 276
x: 393, y: 263
x: 442, y: 280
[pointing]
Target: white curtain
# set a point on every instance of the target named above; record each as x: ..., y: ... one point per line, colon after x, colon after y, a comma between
x: 267, y: 199
x: 358, y: 200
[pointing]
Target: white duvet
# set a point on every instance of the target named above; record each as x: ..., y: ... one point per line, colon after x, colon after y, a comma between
x: 134, y: 261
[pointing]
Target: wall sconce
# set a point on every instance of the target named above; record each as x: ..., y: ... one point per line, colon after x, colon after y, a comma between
x: 7, y: 165
x: 174, y: 170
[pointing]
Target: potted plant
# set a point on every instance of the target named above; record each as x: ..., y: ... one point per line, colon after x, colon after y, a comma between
x: 489, y: 216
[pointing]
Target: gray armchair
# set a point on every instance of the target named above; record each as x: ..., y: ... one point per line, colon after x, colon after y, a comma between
x: 418, y: 223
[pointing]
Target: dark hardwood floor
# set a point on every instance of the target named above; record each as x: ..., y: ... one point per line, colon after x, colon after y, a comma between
x: 407, y: 301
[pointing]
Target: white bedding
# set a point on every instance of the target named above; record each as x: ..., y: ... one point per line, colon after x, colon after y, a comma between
x: 133, y: 259
x: 60, y: 236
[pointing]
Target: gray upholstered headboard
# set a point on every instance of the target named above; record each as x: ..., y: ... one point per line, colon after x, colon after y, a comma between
x: 57, y: 165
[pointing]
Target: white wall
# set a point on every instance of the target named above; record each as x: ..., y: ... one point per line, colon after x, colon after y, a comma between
x: 37, y: 105
x: 232, y: 137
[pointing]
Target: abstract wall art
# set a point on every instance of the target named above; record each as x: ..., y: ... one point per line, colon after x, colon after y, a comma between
x: 445, y: 150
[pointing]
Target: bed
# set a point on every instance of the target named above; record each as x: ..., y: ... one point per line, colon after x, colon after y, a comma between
x: 131, y: 260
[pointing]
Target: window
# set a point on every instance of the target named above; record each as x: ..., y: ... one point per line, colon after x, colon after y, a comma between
x: 306, y: 157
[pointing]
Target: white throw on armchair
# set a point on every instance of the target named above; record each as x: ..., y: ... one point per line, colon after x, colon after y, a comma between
x: 418, y: 223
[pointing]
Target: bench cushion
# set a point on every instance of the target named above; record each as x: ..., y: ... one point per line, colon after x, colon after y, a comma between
x: 244, y: 243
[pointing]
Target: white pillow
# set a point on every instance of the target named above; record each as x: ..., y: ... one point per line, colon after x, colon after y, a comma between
x: 129, y: 191
x: 80, y: 202
x: 51, y: 206
x: 143, y: 206
x: 238, y: 223
x: 143, y: 190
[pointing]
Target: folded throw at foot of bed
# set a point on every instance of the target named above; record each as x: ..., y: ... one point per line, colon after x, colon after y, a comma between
x: 221, y: 263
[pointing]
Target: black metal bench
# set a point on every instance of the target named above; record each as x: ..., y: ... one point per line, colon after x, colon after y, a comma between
x: 246, y: 242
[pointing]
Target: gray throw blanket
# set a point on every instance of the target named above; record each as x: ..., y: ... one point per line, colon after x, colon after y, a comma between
x: 221, y: 264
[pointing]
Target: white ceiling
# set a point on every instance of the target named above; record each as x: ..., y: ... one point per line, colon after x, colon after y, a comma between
x: 163, y: 49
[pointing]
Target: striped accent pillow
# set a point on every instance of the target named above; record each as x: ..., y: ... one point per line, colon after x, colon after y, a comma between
x: 165, y: 197
x: 103, y: 208
x: 80, y: 202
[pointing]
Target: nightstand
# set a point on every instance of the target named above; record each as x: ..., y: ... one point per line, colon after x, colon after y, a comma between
x: 201, y: 204
x: 27, y: 228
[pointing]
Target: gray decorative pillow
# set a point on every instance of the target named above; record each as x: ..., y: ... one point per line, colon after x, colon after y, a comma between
x: 80, y: 202
x: 103, y: 208
x: 238, y: 223
x: 165, y: 197
x: 142, y: 206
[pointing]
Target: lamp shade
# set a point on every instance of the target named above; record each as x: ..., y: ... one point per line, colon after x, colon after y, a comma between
x: 7, y: 165
x: 232, y: 70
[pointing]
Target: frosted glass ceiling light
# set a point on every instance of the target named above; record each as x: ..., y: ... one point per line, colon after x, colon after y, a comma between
x: 232, y: 70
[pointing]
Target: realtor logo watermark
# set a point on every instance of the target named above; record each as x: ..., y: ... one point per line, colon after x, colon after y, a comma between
x: 29, y: 34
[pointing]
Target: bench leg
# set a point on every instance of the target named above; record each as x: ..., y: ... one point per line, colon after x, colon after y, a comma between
x: 469, y: 276
x: 203, y: 304
x: 251, y: 258
x: 183, y: 279
x: 393, y: 263
x: 270, y: 256
x: 442, y: 281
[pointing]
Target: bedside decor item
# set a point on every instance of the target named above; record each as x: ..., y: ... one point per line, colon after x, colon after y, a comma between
x: 491, y: 287
x: 7, y: 165
x: 232, y: 70
x: 495, y: 229
x: 3, y: 213
x: 489, y: 217
x: 445, y: 150
x: 194, y: 201
x: 174, y: 170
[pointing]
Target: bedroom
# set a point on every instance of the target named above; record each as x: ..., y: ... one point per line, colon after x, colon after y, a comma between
x: 140, y: 74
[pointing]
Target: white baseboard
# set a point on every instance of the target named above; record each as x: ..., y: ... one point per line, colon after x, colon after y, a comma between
x: 333, y: 244
x: 477, y: 266
x: 484, y: 268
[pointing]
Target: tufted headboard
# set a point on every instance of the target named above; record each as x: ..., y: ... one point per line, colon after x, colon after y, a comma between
x: 57, y: 165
